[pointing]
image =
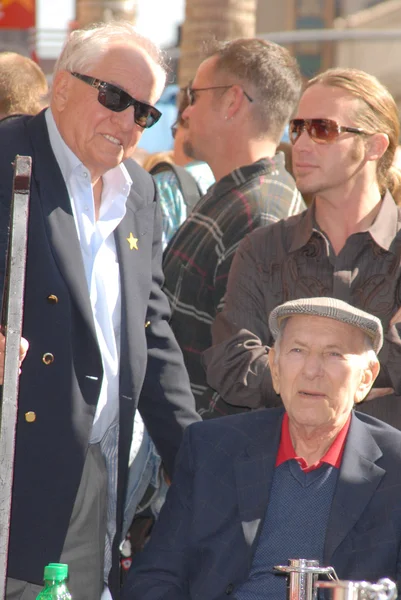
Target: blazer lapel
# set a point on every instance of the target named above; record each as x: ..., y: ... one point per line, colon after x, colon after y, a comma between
x: 132, y: 264
x: 357, y: 481
x: 59, y: 219
x: 254, y: 471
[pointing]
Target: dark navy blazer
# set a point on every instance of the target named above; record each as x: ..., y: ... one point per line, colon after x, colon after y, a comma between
x: 58, y: 320
x: 204, y: 541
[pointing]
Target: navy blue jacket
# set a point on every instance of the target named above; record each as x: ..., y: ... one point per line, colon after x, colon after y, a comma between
x: 58, y: 319
x: 203, y: 544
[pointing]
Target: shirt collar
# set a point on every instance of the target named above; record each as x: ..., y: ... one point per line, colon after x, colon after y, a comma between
x: 66, y: 159
x: 332, y: 457
x: 383, y: 230
x: 116, y: 187
x: 264, y: 166
x: 117, y: 178
x: 304, y: 229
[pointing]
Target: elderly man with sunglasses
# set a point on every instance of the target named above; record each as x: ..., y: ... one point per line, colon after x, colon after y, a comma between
x: 347, y: 244
x: 95, y: 316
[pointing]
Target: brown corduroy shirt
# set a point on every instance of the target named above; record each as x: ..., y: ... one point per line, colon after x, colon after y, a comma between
x: 294, y: 259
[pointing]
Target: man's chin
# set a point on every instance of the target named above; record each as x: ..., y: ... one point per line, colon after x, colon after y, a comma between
x: 117, y: 159
x: 189, y: 150
x: 305, y: 186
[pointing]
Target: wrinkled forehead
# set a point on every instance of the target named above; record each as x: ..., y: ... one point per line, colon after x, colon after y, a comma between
x: 313, y: 329
x: 326, y: 102
x: 132, y: 68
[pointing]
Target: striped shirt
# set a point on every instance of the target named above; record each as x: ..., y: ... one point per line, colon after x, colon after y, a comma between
x: 198, y: 258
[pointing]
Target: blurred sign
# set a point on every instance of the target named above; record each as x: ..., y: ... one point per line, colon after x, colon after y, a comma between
x: 17, y: 14
x: 313, y: 14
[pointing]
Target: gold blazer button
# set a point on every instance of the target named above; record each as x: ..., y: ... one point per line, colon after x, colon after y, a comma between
x: 52, y: 299
x: 30, y: 416
x: 48, y: 358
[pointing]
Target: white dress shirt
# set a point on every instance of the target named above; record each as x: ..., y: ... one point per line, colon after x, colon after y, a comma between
x: 100, y: 263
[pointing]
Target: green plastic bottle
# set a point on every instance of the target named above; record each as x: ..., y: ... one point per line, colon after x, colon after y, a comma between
x: 55, y: 587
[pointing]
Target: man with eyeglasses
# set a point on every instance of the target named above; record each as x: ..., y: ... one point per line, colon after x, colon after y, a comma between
x: 95, y: 316
x: 347, y: 244
x: 240, y: 101
x: 180, y: 189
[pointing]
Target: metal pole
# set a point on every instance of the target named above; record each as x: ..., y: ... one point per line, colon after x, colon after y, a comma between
x: 11, y: 323
x: 331, y: 35
x: 320, y: 35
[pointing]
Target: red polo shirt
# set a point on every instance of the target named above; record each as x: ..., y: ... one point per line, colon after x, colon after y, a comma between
x: 333, y: 455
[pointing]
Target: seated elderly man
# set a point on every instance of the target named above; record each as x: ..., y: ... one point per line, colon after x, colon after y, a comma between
x: 314, y: 481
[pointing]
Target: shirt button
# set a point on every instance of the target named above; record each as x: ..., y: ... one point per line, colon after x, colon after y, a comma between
x: 48, y: 358
x: 229, y: 589
x: 85, y: 174
x: 30, y: 416
x: 52, y: 299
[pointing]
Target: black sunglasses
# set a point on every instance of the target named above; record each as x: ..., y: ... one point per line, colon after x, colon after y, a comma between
x: 321, y: 131
x: 115, y: 99
x: 191, y: 92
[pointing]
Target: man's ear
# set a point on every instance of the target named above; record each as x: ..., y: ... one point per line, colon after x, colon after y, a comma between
x: 377, y: 145
x: 368, y: 377
x: 235, y: 96
x: 274, y: 370
x: 61, y: 90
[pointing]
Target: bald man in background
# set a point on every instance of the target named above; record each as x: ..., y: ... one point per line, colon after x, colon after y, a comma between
x: 23, y: 86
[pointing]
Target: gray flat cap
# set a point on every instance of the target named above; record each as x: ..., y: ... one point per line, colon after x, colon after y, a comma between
x: 333, y: 309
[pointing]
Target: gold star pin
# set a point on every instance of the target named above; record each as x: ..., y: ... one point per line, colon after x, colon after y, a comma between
x: 133, y: 242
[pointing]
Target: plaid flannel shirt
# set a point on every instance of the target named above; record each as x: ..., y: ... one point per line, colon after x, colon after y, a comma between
x: 198, y: 258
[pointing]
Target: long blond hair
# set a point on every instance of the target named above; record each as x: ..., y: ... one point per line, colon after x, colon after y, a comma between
x: 377, y: 113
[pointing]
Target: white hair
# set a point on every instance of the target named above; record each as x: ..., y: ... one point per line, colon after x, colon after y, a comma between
x: 85, y: 47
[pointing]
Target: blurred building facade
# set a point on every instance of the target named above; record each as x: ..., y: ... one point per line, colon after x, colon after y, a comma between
x: 207, y: 20
x: 17, y: 24
x: 301, y: 14
x: 379, y: 57
x: 314, y: 14
x: 18, y: 31
x: 93, y: 11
